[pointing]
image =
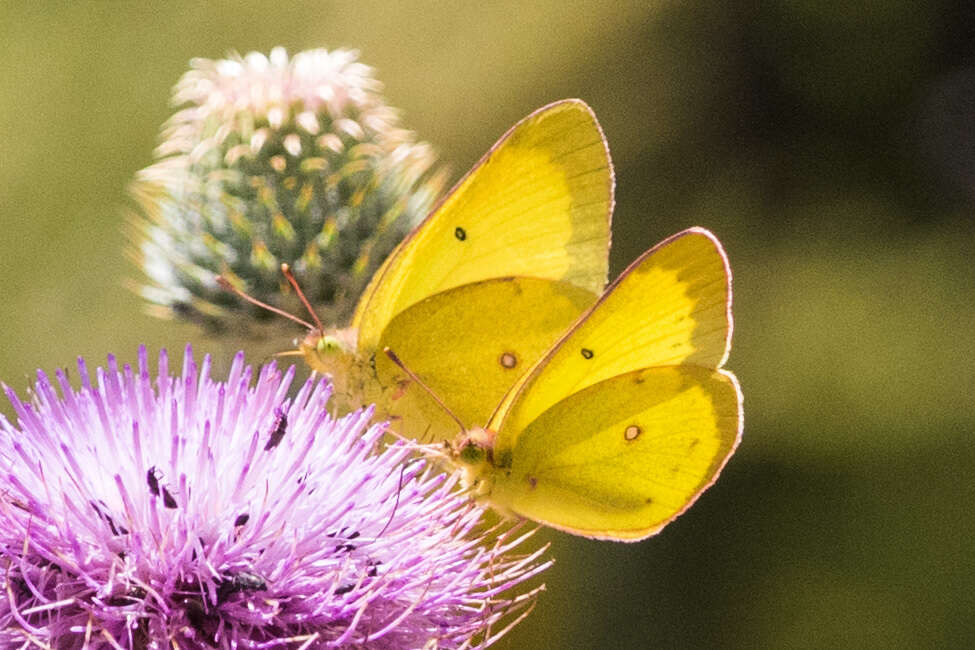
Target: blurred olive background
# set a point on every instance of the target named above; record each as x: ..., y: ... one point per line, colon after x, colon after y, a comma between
x: 831, y: 146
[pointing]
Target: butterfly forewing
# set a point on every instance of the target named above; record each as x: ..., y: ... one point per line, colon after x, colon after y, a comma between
x: 670, y: 307
x: 538, y: 204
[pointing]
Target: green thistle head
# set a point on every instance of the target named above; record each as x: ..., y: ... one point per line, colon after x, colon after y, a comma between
x: 272, y: 160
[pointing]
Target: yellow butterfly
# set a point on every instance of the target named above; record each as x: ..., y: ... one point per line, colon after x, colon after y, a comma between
x: 484, y: 285
x: 629, y: 416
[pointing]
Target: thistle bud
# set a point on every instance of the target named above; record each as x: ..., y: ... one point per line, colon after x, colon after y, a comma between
x: 270, y: 160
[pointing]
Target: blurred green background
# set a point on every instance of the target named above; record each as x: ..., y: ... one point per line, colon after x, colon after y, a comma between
x: 831, y: 147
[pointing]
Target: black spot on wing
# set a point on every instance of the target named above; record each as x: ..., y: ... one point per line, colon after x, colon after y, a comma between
x: 460, y: 233
x: 587, y: 353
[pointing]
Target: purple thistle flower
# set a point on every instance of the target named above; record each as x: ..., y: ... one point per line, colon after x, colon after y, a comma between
x: 184, y: 512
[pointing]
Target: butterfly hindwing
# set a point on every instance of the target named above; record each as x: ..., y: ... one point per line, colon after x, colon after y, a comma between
x: 623, y: 457
x: 475, y: 341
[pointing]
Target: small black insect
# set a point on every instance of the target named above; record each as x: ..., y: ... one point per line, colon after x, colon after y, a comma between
x: 280, y: 428
x: 153, y: 480
x: 241, y: 519
x: 239, y: 582
x: 245, y: 581
x: 168, y: 499
x: 156, y: 488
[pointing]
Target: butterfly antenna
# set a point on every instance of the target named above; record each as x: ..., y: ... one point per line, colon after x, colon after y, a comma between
x: 402, y: 470
x: 395, y: 359
x: 286, y: 270
x: 225, y: 283
x: 395, y: 505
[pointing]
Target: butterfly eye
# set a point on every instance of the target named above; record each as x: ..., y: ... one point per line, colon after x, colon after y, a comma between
x: 328, y: 345
x: 472, y: 454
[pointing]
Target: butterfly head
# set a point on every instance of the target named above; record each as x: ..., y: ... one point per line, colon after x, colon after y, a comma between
x: 324, y: 351
x: 329, y: 352
x: 473, y: 452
